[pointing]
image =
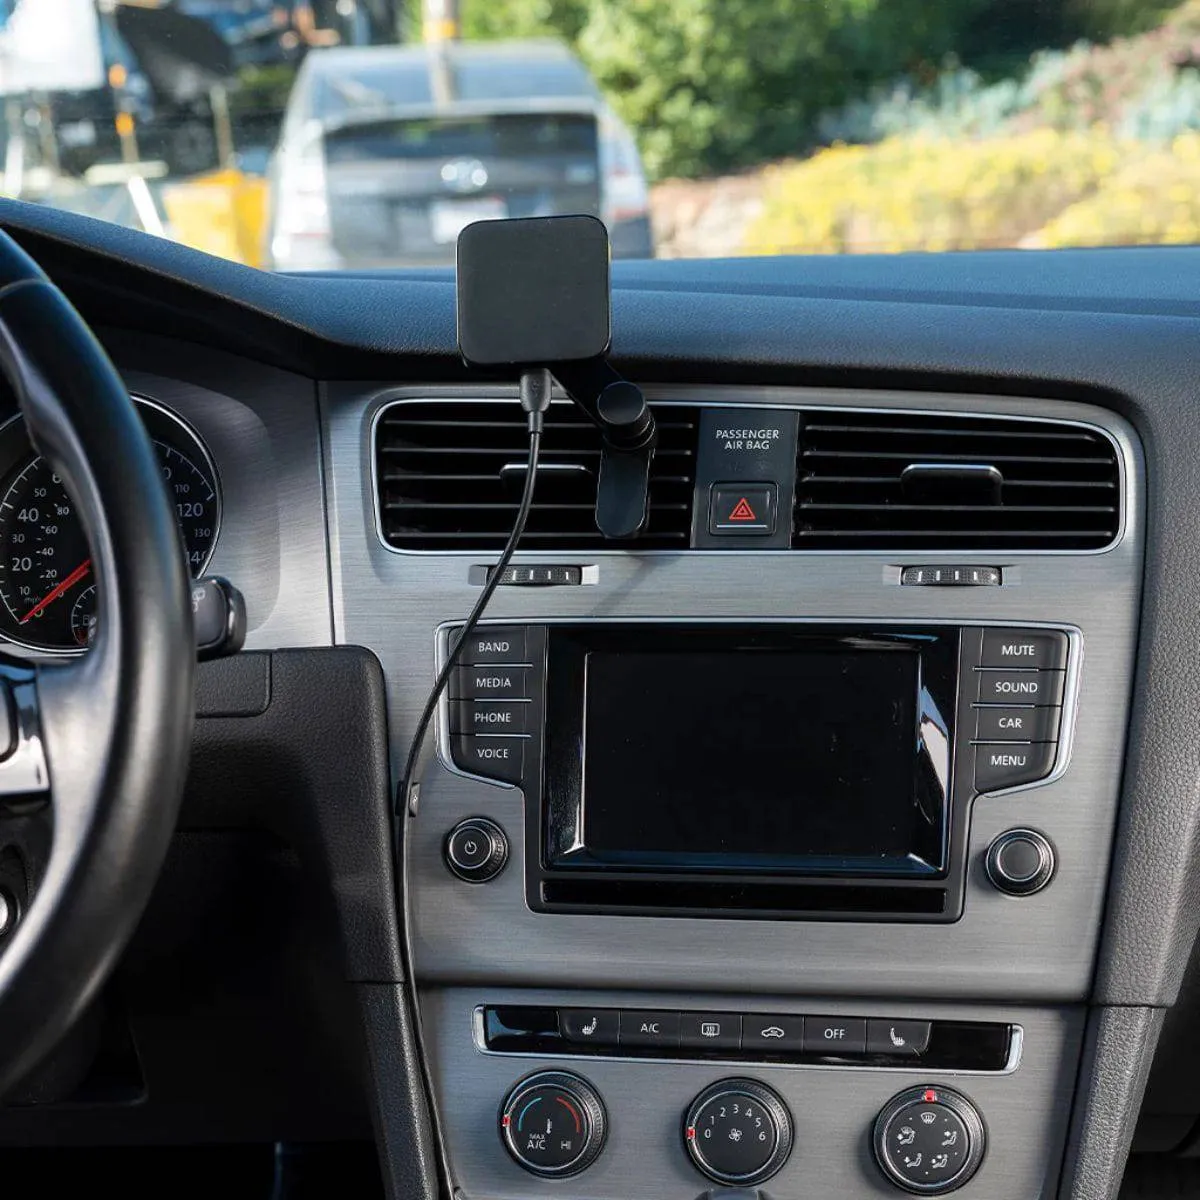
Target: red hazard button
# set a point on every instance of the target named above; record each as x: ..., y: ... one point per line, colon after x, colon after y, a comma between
x: 742, y: 508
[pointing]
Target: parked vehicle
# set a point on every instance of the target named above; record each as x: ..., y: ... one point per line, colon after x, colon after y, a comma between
x: 387, y: 152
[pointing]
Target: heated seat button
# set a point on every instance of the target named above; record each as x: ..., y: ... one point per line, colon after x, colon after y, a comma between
x: 654, y: 1029
x: 490, y: 683
x: 711, y: 1031
x: 1017, y: 724
x: 998, y: 766
x: 737, y: 508
x: 772, y: 1034
x: 900, y: 1039
x: 1023, y: 649
x: 590, y: 1026
x: 835, y: 1035
x: 1020, y: 687
x: 488, y: 716
x: 499, y: 758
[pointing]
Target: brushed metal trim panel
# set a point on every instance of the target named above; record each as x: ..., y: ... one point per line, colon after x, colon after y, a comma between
x: 1038, y: 949
x: 261, y: 428
x: 1025, y: 1112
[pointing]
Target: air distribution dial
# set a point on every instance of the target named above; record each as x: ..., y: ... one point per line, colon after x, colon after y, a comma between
x: 553, y: 1124
x: 929, y: 1140
x: 738, y: 1132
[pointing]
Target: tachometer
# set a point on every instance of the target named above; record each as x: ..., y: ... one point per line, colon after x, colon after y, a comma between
x: 47, y: 591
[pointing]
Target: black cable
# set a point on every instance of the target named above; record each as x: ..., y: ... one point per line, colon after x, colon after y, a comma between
x: 535, y: 399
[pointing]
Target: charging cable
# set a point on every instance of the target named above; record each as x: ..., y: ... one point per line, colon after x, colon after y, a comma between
x: 535, y: 400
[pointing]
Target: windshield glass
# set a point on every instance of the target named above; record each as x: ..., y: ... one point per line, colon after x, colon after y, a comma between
x: 366, y: 134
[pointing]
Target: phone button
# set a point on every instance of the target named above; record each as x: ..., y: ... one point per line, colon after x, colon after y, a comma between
x: 595, y: 1026
x: 898, y: 1039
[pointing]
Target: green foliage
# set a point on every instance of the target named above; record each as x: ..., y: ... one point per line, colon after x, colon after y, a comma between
x: 710, y: 85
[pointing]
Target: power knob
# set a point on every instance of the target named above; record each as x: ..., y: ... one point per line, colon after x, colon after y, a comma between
x: 1020, y: 862
x: 476, y: 850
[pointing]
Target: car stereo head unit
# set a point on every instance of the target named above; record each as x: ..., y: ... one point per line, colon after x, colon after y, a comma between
x: 753, y: 770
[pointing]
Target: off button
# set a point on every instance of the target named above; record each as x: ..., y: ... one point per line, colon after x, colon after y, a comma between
x: 835, y: 1035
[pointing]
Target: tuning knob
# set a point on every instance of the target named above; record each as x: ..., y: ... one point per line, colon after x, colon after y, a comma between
x: 1020, y: 862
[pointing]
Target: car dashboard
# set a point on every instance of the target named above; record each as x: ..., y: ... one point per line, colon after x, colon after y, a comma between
x: 623, y: 943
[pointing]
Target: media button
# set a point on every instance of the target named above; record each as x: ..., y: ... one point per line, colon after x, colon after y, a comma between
x: 500, y: 758
x: 772, y: 1034
x: 998, y: 766
x: 1017, y: 724
x: 711, y: 1031
x: 1020, y: 687
x: 659, y: 1030
x: 835, y: 1035
x: 490, y: 683
x: 899, y: 1039
x: 1022, y: 648
x: 590, y: 1026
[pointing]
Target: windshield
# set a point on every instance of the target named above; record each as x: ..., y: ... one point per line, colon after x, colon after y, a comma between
x: 360, y: 135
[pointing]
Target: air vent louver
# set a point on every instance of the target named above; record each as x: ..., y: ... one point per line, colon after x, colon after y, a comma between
x: 449, y: 474
x: 880, y: 481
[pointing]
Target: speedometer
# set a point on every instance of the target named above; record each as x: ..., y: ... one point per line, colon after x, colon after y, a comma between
x: 47, y: 590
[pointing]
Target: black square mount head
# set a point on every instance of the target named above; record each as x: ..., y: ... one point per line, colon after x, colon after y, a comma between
x: 533, y: 291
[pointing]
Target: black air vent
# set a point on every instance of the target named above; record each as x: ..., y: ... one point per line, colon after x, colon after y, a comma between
x: 878, y: 481
x: 450, y: 474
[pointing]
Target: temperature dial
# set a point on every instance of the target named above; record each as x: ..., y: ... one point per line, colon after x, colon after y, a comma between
x: 738, y: 1132
x: 929, y: 1140
x: 553, y: 1124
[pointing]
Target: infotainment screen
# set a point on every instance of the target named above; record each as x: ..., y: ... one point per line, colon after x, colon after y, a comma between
x: 818, y: 755
x: 763, y: 758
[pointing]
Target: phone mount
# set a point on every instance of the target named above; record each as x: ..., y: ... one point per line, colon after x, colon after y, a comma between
x: 535, y: 293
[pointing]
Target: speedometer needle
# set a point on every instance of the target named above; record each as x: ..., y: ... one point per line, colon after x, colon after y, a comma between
x: 50, y: 597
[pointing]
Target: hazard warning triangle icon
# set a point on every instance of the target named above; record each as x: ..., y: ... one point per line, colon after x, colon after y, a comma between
x: 742, y: 511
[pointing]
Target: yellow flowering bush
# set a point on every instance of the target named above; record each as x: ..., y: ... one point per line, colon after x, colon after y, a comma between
x: 923, y: 192
x: 1154, y: 198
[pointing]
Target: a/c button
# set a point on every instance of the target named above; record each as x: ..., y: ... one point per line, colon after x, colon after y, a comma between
x: 659, y: 1029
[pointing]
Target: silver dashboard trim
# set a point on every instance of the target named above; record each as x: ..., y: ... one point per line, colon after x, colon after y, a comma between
x: 656, y: 396
x: 1016, y: 1048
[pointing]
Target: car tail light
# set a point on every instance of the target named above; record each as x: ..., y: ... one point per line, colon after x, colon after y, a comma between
x: 625, y: 195
x: 302, y: 234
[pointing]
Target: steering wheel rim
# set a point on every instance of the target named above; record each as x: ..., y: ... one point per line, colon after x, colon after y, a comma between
x: 112, y: 728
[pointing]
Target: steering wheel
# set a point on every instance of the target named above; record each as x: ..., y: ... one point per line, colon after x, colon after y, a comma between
x: 97, y: 746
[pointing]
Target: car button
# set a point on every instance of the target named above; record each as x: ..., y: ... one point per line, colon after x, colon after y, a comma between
x: 737, y: 508
x: 490, y: 683
x: 500, y: 758
x: 1020, y: 687
x: 590, y: 1026
x: 1022, y: 649
x: 906, y: 1039
x: 711, y: 1031
x: 999, y: 766
x: 489, y: 645
x: 1017, y: 724
x: 835, y: 1035
x: 489, y: 716
x: 655, y: 1029
x: 772, y: 1034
